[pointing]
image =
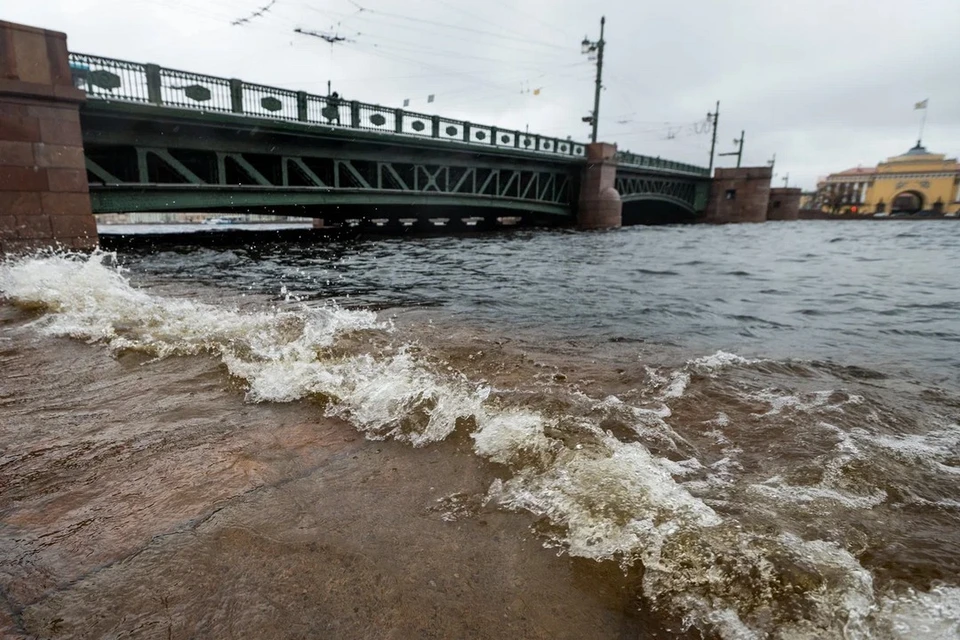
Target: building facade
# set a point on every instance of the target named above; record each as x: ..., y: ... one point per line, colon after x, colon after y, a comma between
x: 917, y: 181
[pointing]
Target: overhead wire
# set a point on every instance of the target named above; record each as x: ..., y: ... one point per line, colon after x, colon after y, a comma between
x: 474, y: 16
x: 371, y: 43
x: 434, y: 23
x: 515, y: 8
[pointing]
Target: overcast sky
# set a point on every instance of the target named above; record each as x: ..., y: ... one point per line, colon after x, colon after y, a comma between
x: 824, y: 84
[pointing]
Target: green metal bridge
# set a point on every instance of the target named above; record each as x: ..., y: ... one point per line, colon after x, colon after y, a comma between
x: 159, y: 139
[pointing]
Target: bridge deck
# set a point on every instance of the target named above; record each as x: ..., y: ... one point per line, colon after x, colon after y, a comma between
x: 162, y: 139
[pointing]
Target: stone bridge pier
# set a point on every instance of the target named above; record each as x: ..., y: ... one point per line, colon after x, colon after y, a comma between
x: 44, y: 196
x: 599, y: 205
x: 739, y: 195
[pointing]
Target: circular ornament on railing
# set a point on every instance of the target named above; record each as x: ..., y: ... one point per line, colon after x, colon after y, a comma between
x: 104, y: 79
x: 526, y: 142
x: 505, y: 139
x: 480, y: 135
x: 417, y: 125
x: 378, y: 119
x: 197, y: 92
x: 563, y: 148
x: 271, y: 104
x: 547, y: 145
x: 452, y: 130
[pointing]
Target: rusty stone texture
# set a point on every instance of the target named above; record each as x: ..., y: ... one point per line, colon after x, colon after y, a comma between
x: 30, y: 53
x: 20, y: 203
x: 76, y: 226
x: 601, y: 152
x: 599, y: 205
x: 33, y: 227
x: 62, y: 130
x: 17, y: 128
x: 24, y: 178
x: 59, y: 156
x: 784, y: 204
x: 43, y: 185
x: 66, y: 204
x: 70, y: 180
x: 751, y: 187
x: 8, y: 226
x: 15, y: 153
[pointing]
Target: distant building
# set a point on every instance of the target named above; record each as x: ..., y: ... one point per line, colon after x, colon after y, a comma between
x: 915, y: 181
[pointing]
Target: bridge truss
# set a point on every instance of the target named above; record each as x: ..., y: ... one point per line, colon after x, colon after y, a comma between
x: 683, y: 192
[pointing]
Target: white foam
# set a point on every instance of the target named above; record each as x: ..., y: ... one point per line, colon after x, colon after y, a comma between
x: 719, y: 360
x: 615, y: 502
x: 679, y: 382
x: 933, y: 445
x: 503, y: 437
x: 608, y: 499
x: 775, y: 489
x: 279, y: 354
x: 800, y: 403
x: 914, y: 615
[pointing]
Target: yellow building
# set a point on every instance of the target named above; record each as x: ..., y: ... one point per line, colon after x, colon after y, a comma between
x: 917, y: 181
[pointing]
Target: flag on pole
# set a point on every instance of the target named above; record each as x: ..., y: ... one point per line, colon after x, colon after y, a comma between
x: 921, y: 105
x: 536, y: 92
x: 406, y: 102
x: 430, y: 98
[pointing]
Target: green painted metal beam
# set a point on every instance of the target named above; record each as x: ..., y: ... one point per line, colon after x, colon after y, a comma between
x: 642, y: 197
x: 132, y: 198
x: 119, y: 111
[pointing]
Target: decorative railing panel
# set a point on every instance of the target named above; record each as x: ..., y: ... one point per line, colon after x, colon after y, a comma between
x: 109, y: 79
x: 647, y: 162
x: 193, y: 91
x: 267, y: 102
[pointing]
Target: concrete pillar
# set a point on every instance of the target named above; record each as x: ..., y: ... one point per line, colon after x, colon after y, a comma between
x: 784, y: 204
x: 43, y: 180
x: 599, y: 203
x: 739, y: 195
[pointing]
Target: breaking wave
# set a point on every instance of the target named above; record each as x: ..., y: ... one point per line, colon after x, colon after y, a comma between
x: 603, y: 497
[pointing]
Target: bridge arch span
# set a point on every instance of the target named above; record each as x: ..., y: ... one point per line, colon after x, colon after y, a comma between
x: 655, y: 197
x: 652, y: 209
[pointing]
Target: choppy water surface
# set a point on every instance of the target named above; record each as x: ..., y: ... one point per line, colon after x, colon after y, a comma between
x: 739, y: 432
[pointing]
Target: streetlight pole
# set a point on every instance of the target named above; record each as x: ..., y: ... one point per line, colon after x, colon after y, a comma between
x: 715, y: 116
x: 590, y: 47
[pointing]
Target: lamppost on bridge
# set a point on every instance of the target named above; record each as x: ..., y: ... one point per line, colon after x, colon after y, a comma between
x: 715, y: 119
x: 588, y: 47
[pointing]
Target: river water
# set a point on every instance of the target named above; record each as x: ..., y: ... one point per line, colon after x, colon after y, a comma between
x: 746, y: 431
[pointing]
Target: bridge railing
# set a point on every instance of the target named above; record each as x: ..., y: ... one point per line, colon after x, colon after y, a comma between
x: 637, y: 160
x: 111, y: 79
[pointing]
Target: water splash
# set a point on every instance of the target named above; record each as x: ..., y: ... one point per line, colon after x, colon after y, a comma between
x: 604, y: 498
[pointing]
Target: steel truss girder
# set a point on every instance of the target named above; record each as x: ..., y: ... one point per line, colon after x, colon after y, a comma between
x: 166, y: 167
x: 632, y: 188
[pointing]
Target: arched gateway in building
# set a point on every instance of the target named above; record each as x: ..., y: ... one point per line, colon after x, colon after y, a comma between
x: 907, y: 202
x: 915, y: 181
